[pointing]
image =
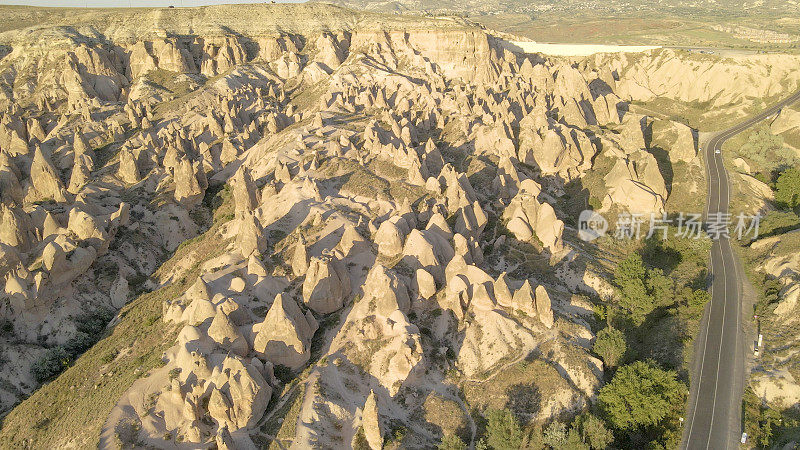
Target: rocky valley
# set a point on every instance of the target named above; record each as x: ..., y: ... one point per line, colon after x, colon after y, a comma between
x: 305, y: 226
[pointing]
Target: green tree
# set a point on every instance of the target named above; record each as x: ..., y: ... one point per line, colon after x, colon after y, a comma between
x: 770, y: 421
x: 698, y: 299
x: 776, y: 222
x: 555, y: 435
x: 452, y: 442
x: 762, y: 421
x: 767, y: 151
x: 593, y: 431
x: 641, y: 290
x: 79, y: 343
x: 575, y: 441
x: 761, y: 142
x: 503, y: 432
x: 787, y: 188
x: 661, y: 287
x: 610, y: 346
x: 640, y: 395
x: 634, y: 298
x: 631, y: 268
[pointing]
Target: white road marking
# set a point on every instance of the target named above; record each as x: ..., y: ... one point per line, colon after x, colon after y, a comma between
x: 719, y: 352
x: 715, y: 141
x: 710, y: 303
x: 724, y: 307
x: 711, y: 153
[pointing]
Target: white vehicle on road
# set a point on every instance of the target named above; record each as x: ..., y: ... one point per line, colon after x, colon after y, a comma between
x: 716, y: 151
x: 744, y: 438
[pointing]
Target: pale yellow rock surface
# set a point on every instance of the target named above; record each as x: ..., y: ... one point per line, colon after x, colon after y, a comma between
x: 284, y: 337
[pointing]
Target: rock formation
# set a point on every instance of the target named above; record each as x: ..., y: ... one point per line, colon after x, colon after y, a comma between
x: 284, y: 337
x: 331, y: 207
x: 326, y: 285
x: 371, y: 422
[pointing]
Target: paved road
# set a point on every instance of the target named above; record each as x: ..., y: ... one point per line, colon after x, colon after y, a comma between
x: 714, y: 414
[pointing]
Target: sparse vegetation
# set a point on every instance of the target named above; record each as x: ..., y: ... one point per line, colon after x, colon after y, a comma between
x: 593, y: 431
x: 360, y: 440
x: 452, y: 442
x: 83, y: 409
x: 90, y: 327
x: 502, y: 430
x: 51, y: 363
x: 765, y: 154
x: 778, y: 222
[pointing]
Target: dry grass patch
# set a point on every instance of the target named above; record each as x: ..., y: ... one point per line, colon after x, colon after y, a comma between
x: 523, y: 387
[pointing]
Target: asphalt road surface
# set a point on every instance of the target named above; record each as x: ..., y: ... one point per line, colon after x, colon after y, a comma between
x: 714, y: 415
